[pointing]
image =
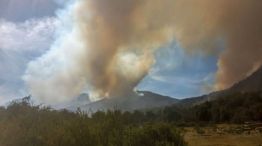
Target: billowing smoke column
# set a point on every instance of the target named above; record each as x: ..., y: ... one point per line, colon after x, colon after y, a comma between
x: 121, y: 44
x: 107, y: 46
x: 241, y: 27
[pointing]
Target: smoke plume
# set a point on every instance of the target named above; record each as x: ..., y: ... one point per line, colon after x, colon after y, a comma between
x: 107, y: 46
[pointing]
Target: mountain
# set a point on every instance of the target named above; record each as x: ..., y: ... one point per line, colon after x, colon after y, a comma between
x: 252, y: 83
x: 147, y: 100
x: 137, y: 101
x: 81, y: 100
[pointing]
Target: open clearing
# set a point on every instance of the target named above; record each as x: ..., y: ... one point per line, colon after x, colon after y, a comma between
x: 222, y: 135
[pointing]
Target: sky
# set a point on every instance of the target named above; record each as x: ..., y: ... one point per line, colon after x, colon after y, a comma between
x: 28, y: 29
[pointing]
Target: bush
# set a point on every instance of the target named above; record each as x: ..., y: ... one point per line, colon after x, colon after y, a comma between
x: 23, y: 124
x: 159, y: 134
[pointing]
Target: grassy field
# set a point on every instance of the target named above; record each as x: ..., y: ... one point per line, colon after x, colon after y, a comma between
x: 222, y: 135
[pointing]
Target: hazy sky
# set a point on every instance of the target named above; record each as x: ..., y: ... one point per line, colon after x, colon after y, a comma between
x: 27, y: 29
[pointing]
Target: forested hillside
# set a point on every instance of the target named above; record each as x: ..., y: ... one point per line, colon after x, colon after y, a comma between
x: 232, y: 108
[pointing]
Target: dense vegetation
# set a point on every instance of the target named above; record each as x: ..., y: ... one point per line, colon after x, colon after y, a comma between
x: 233, y: 108
x: 23, y: 124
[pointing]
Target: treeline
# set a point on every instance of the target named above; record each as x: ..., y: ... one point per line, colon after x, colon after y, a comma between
x: 234, y: 108
x: 25, y: 124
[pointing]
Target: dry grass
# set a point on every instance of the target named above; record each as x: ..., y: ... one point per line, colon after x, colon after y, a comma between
x: 214, y: 137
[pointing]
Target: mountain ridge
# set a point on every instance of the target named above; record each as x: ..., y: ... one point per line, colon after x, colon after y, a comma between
x: 138, y: 101
x: 146, y: 99
x: 252, y: 83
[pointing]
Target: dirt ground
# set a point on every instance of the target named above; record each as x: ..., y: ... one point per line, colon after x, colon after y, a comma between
x: 222, y: 135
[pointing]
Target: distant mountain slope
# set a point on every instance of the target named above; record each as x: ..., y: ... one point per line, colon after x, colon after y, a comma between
x: 146, y: 100
x: 252, y: 83
x: 81, y: 100
x: 142, y: 100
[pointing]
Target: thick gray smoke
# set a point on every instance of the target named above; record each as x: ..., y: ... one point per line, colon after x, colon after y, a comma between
x: 107, y: 46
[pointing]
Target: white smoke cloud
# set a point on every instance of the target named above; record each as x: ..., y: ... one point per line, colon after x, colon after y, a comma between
x: 19, y: 43
x: 49, y: 76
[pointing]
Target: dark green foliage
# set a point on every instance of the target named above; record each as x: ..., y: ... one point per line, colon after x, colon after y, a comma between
x: 199, y: 130
x: 203, y: 112
x: 236, y: 108
x: 23, y: 124
x: 159, y: 134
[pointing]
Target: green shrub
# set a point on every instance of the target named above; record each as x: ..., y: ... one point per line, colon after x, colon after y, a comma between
x: 23, y: 124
